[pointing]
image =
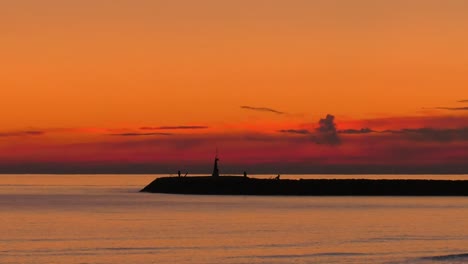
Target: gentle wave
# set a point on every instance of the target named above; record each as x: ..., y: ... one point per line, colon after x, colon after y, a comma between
x: 91, y: 251
x: 326, y: 254
x: 448, y: 257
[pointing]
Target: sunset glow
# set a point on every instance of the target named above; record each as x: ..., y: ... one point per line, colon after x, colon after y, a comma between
x: 153, y: 86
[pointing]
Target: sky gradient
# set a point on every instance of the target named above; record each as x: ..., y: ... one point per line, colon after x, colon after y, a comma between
x: 278, y: 86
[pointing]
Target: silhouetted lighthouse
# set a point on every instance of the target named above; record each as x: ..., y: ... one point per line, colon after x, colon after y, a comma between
x: 215, y: 167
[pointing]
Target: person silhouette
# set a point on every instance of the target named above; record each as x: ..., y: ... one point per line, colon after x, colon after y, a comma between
x: 245, y: 174
x: 178, y: 173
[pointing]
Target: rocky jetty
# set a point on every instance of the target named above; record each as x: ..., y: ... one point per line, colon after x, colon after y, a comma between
x: 237, y: 185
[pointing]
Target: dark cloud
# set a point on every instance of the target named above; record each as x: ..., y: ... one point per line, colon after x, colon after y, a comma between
x: 327, y: 124
x: 295, y: 131
x: 263, y: 109
x: 22, y: 133
x: 141, y: 134
x: 326, y: 133
x: 356, y: 131
x: 432, y: 134
x: 453, y: 108
x: 173, y: 127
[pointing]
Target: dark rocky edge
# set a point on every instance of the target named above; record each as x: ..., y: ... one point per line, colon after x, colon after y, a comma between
x: 235, y: 185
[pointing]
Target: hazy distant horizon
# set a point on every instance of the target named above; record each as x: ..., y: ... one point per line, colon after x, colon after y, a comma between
x: 233, y: 169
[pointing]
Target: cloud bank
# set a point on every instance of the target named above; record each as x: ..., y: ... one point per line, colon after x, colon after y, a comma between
x: 397, y: 144
x: 22, y: 133
x: 453, y: 108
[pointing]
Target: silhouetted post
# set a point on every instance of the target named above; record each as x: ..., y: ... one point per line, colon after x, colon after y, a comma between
x: 245, y: 174
x: 215, y: 168
x: 178, y: 173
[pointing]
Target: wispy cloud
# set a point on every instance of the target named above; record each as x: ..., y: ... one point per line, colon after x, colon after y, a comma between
x: 173, y: 127
x: 453, y: 108
x: 295, y: 131
x: 356, y: 131
x: 433, y: 134
x: 463, y: 101
x: 395, y: 123
x: 345, y: 131
x: 22, y: 133
x: 263, y: 109
x: 141, y: 134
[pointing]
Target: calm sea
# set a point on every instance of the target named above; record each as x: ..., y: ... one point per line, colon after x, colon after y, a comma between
x: 103, y: 219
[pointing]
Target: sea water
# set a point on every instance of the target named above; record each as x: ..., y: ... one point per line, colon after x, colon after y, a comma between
x: 104, y: 219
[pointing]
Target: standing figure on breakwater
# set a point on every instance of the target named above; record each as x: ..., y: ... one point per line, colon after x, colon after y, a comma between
x: 178, y: 173
x: 215, y: 168
x: 245, y: 174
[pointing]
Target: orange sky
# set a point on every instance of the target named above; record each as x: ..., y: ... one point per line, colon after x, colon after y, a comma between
x: 81, y: 70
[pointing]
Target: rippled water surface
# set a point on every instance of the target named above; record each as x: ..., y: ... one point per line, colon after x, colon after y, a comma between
x: 103, y: 219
